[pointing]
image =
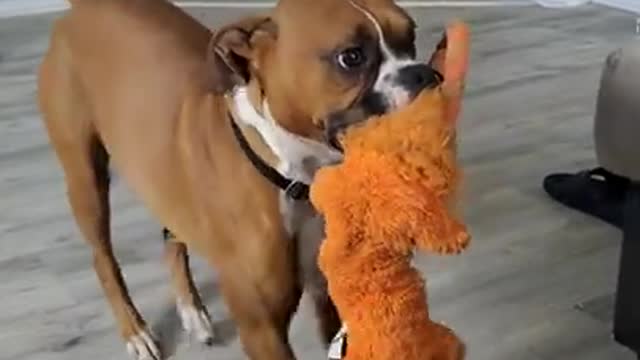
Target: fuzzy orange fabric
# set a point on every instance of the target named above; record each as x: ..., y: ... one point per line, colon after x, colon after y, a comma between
x: 391, y: 195
x: 453, y: 62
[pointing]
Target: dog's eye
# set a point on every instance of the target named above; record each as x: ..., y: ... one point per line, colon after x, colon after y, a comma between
x: 351, y: 58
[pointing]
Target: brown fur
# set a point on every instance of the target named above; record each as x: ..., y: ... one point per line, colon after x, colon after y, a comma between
x: 151, y: 86
x: 139, y: 86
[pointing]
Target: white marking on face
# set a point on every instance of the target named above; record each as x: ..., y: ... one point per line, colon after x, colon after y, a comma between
x: 394, y: 94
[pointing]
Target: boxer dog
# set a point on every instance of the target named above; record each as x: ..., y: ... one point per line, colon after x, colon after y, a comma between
x: 219, y: 134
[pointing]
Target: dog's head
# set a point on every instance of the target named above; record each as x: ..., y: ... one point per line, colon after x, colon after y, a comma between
x: 320, y: 66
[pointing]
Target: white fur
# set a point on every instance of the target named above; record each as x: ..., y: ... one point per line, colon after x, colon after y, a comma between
x: 195, y: 322
x: 143, y: 347
x: 385, y: 84
x: 299, y: 157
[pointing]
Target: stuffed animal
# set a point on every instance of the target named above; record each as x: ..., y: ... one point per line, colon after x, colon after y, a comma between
x: 393, y: 193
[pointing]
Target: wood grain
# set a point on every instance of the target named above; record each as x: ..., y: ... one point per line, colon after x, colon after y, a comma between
x: 536, y: 284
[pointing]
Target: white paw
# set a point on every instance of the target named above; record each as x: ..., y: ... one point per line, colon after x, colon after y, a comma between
x: 196, y: 322
x: 143, y: 347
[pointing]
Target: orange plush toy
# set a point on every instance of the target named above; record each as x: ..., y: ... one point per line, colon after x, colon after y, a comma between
x: 392, y: 194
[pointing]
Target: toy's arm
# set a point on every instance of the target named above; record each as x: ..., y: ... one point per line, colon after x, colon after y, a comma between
x: 433, y: 227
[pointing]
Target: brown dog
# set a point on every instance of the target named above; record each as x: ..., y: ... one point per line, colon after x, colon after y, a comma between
x: 209, y: 130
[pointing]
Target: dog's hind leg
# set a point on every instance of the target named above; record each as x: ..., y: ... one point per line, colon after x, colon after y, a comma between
x: 193, y: 314
x: 85, y: 164
x: 86, y: 173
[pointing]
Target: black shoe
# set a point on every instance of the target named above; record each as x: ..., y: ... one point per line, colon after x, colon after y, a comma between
x: 626, y: 325
x: 595, y: 192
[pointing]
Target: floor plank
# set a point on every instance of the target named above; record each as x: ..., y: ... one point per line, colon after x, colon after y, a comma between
x: 536, y: 285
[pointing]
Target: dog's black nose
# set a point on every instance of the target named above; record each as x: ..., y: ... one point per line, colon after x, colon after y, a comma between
x: 417, y: 77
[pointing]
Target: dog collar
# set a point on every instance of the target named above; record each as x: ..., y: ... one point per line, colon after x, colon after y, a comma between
x: 293, y: 189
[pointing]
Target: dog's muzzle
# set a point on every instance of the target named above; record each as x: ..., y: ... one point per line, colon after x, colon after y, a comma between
x: 412, y: 79
x: 418, y: 77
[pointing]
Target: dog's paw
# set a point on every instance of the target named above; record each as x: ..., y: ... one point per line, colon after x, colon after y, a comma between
x: 143, y: 347
x: 196, y: 322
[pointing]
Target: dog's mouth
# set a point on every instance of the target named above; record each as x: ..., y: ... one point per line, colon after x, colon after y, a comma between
x: 339, y: 123
x: 334, y: 142
x: 372, y: 104
x: 333, y: 136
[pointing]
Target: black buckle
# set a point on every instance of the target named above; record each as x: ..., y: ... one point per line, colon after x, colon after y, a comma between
x: 297, y: 190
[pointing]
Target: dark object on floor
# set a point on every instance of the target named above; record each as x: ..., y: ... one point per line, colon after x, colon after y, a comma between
x: 595, y: 192
x: 627, y: 307
x: 616, y: 200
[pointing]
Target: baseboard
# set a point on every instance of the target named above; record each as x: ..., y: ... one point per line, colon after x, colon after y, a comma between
x: 10, y: 8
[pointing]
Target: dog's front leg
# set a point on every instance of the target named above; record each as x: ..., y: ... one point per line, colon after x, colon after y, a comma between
x: 193, y: 314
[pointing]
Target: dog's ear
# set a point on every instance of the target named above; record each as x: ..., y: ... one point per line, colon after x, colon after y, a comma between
x: 234, y: 50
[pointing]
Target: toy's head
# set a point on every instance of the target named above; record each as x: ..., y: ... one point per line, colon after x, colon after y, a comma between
x: 394, y: 190
x: 418, y: 141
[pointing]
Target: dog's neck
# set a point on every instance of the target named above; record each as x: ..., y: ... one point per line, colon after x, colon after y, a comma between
x: 297, y: 158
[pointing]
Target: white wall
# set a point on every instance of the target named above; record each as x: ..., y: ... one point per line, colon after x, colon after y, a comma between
x: 629, y: 5
x: 18, y: 7
x: 23, y: 7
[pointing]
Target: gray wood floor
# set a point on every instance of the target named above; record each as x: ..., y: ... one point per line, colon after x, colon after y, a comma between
x: 537, y: 283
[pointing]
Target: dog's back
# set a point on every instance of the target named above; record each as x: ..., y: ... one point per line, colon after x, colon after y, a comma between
x: 116, y: 73
x: 118, y: 54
